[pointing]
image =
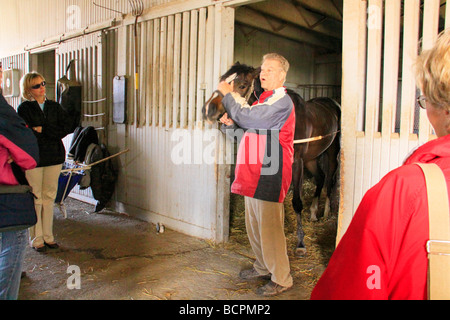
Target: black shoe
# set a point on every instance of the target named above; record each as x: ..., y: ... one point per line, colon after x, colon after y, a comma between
x: 40, y: 249
x: 52, y: 245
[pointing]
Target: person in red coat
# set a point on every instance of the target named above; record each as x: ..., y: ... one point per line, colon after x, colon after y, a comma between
x: 383, y: 254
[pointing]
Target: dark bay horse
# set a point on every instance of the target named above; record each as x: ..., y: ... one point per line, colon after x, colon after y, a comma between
x: 316, y: 139
x: 243, y: 77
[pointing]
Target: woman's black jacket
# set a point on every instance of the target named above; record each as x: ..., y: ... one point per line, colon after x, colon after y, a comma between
x: 55, y: 124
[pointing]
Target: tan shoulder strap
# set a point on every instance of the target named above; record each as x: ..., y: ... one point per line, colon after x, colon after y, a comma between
x: 438, y: 247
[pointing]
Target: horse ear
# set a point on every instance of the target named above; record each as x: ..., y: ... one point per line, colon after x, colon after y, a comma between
x: 257, y: 86
x: 256, y: 72
x: 237, y: 63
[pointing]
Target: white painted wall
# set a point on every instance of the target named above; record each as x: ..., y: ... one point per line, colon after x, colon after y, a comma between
x: 374, y: 59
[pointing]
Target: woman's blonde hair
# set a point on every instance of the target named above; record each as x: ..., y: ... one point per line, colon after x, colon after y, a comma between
x: 26, y: 83
x: 433, y: 71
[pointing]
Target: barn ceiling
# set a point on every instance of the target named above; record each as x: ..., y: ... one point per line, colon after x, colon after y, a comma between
x: 315, y: 22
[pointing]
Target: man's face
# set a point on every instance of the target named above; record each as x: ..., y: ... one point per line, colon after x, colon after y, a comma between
x: 272, y: 75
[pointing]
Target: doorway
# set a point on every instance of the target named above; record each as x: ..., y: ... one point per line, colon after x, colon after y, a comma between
x: 44, y: 63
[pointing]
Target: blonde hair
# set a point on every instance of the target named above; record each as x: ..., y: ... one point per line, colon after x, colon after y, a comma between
x: 433, y: 71
x: 26, y: 83
x: 275, y: 56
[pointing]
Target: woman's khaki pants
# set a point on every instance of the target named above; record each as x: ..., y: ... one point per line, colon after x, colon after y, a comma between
x: 44, y: 181
x: 264, y: 221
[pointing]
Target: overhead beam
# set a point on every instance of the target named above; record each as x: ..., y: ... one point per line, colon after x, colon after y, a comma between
x: 329, y: 8
x: 287, y: 11
x: 252, y: 18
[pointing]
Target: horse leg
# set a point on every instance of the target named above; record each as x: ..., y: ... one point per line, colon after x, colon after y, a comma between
x: 319, y: 178
x: 331, y: 173
x: 325, y: 166
x: 297, y: 180
x: 314, y: 209
x: 329, y: 181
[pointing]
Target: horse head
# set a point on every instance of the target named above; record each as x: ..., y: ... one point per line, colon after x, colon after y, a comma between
x: 243, y: 85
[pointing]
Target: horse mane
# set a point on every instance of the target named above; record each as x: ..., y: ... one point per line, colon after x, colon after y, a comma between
x: 237, y: 68
x: 296, y: 98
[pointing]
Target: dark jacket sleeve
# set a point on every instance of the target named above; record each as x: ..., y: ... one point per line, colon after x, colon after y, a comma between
x: 14, y: 129
x: 25, y: 112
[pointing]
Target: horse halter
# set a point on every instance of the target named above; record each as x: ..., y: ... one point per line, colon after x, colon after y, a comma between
x: 217, y: 93
x: 246, y: 97
x: 250, y: 90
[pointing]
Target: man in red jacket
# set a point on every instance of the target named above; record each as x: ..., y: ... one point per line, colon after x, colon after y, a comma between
x: 383, y: 254
x: 264, y: 170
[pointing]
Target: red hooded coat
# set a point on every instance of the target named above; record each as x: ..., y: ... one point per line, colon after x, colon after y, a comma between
x: 383, y: 254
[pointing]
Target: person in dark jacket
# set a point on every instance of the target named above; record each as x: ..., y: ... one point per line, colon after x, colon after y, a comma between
x: 50, y: 124
x: 264, y: 180
x: 17, y: 146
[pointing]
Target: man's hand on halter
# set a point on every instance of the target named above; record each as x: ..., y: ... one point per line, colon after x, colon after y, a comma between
x: 226, y: 121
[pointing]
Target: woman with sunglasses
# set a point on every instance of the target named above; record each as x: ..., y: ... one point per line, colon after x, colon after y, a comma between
x: 383, y: 253
x: 50, y: 124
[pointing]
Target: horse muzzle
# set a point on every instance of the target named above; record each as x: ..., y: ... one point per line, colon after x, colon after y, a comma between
x: 213, y: 109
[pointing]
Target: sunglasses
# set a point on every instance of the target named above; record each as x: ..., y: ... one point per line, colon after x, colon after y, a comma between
x: 37, y: 86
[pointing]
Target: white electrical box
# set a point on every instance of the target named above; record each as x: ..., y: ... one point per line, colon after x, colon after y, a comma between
x: 11, y: 83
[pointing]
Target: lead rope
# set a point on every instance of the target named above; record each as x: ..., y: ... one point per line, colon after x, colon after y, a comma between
x: 314, y: 138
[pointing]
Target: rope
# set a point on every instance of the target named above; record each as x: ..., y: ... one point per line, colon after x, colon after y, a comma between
x: 87, y: 167
x: 314, y: 138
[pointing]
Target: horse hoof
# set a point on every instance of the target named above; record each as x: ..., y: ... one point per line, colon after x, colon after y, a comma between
x: 314, y: 218
x: 300, y: 252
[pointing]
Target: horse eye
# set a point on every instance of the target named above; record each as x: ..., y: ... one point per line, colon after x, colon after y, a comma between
x: 242, y: 87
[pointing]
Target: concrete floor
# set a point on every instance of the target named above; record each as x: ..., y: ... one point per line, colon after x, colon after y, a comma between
x: 110, y: 256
